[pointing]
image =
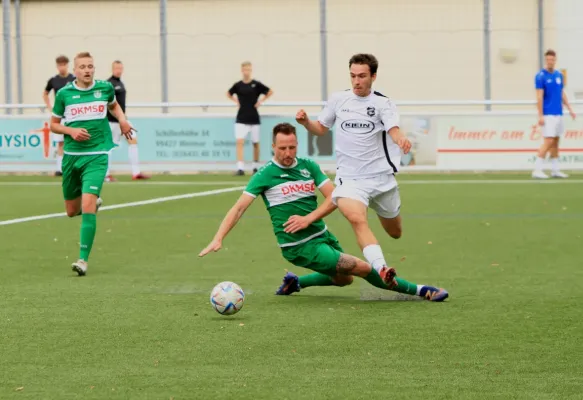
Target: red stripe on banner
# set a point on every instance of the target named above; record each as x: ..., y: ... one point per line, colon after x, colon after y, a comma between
x: 501, y: 150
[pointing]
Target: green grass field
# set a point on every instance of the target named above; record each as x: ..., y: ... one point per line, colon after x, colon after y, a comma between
x: 140, y: 325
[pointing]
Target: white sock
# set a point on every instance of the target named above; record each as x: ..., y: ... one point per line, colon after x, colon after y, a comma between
x: 255, y: 164
x: 59, y: 163
x: 240, y: 165
x: 134, y: 159
x: 555, y: 164
x: 538, y: 164
x: 419, y: 289
x: 374, y: 256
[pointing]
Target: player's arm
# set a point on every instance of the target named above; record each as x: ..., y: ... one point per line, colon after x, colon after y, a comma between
x: 233, y: 216
x: 539, y: 87
x: 46, y: 92
x: 567, y: 104
x: 115, y: 109
x: 231, y: 94
x: 265, y: 92
x: 325, y: 121
x: 296, y: 223
x: 78, y: 134
x: 391, y: 121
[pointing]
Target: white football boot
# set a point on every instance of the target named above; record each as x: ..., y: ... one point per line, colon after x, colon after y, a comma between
x: 539, y: 175
x: 80, y: 267
x: 559, y: 174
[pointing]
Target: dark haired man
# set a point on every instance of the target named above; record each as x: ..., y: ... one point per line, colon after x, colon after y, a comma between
x: 54, y: 84
x: 368, y: 152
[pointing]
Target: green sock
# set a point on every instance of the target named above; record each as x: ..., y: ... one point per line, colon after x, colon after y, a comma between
x: 375, y: 279
x: 406, y: 287
x: 403, y: 286
x: 315, y: 279
x: 88, y: 228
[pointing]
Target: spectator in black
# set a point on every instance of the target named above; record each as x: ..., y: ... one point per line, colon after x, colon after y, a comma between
x: 246, y: 93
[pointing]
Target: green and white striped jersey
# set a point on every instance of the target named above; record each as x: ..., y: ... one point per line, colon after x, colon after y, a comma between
x: 289, y: 191
x: 86, y: 108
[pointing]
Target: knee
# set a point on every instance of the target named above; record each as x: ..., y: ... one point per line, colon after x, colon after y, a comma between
x: 356, y: 218
x: 396, y: 233
x: 343, y: 280
x: 89, y: 204
x: 72, y: 213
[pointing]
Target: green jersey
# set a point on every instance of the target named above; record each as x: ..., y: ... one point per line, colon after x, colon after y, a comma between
x: 289, y: 191
x: 86, y: 108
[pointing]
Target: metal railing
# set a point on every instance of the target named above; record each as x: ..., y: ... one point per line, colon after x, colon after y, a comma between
x: 205, y: 105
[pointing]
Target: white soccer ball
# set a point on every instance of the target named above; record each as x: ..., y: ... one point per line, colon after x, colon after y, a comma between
x: 227, y: 298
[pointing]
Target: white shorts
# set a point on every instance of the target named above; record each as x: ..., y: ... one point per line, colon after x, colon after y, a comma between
x: 115, y: 132
x: 242, y: 130
x: 58, y: 138
x: 554, y: 126
x: 380, y: 193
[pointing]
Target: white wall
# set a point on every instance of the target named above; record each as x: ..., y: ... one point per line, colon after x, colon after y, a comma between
x: 569, y: 21
x: 428, y: 49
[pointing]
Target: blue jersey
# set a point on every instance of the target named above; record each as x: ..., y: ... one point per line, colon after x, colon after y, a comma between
x: 551, y: 84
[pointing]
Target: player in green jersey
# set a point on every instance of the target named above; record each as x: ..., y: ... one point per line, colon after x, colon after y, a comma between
x: 288, y: 185
x: 80, y: 114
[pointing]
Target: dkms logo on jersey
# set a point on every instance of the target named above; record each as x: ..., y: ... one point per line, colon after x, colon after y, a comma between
x: 22, y: 141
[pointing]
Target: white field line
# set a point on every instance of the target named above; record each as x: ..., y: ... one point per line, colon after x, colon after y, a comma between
x: 125, y: 205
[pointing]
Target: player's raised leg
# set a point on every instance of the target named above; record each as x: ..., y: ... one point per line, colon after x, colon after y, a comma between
x: 355, y: 211
x: 387, y: 205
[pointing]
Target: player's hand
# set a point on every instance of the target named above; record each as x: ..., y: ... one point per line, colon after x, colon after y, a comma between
x: 215, y: 246
x: 127, y: 129
x: 400, y: 139
x: 296, y: 223
x: 541, y: 121
x: 573, y: 115
x: 258, y: 104
x: 79, y: 134
x: 302, y: 117
x: 404, y: 143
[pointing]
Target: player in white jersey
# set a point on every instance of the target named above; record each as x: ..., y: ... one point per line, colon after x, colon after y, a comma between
x: 368, y: 151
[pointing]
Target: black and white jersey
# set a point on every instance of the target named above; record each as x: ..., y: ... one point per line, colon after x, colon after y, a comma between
x: 363, y: 147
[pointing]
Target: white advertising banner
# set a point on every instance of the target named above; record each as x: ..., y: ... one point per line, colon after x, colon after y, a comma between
x: 500, y: 142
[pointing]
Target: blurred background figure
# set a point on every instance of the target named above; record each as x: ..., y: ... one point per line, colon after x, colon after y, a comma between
x: 249, y: 94
x: 54, y: 84
x: 120, y: 95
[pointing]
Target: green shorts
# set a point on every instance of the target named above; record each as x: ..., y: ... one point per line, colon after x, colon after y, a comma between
x: 320, y: 254
x: 83, y: 174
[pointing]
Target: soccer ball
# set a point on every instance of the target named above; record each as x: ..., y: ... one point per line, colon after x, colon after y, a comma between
x: 227, y: 298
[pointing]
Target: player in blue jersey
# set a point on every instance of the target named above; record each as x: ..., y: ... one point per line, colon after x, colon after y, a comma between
x: 550, y: 98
